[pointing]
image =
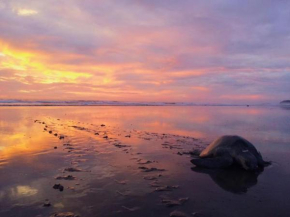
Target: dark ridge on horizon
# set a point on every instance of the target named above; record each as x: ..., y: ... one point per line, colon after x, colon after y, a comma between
x: 285, y: 101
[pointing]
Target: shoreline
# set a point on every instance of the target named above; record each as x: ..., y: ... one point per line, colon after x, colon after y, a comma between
x: 125, y: 105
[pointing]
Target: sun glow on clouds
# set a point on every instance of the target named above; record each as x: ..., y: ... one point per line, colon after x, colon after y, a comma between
x: 145, y: 51
x: 26, y: 12
x: 29, y: 63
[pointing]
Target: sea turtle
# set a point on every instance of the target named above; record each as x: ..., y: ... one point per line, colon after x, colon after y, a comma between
x: 229, y: 150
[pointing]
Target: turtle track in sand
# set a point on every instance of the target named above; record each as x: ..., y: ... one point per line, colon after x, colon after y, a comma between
x: 101, y: 139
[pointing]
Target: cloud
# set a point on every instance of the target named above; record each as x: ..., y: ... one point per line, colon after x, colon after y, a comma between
x: 139, y: 50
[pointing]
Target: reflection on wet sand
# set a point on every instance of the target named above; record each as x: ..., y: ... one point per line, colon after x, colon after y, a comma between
x: 234, y: 180
x: 23, y: 190
x: 81, y: 143
x: 285, y: 107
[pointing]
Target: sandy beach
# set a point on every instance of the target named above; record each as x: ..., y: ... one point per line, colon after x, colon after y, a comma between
x: 135, y: 161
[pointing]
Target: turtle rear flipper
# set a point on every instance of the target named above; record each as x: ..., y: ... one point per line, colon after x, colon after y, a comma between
x: 215, y: 162
x: 267, y: 163
x: 261, y: 162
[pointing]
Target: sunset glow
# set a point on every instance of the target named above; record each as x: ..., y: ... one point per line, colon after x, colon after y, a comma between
x: 183, y: 51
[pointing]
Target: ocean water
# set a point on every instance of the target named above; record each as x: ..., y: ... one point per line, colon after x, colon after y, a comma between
x: 134, y: 161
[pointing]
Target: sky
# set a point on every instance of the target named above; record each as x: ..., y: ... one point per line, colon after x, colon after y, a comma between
x: 220, y: 51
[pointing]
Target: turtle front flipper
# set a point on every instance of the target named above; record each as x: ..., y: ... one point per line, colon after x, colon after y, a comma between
x: 247, y: 160
x: 215, y: 162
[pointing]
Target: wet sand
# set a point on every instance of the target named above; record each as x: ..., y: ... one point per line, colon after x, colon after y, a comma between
x: 135, y: 161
